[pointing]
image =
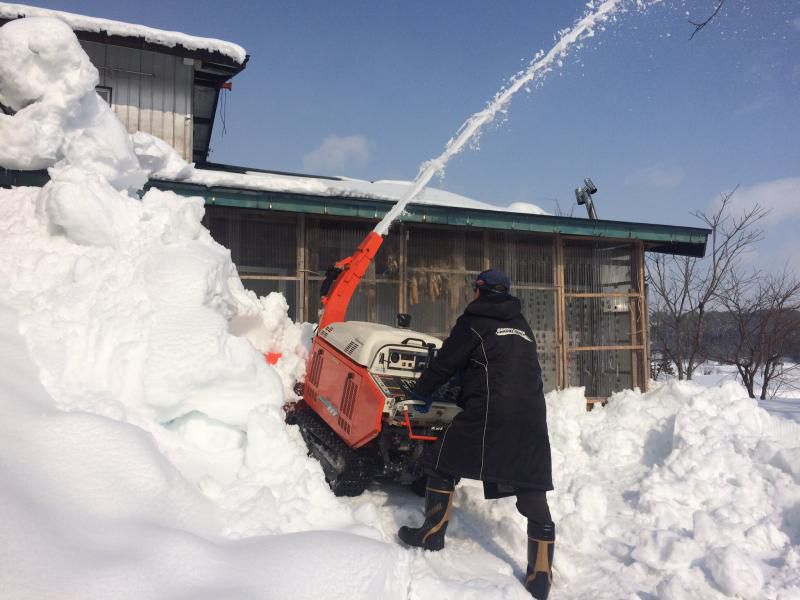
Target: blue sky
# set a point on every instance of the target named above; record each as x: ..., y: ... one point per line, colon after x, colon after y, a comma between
x: 371, y: 89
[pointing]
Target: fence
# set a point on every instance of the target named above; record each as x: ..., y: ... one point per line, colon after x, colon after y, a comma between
x: 584, y: 297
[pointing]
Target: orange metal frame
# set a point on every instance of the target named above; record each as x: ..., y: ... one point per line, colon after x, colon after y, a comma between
x: 357, y: 419
x: 414, y: 436
x: 354, y: 267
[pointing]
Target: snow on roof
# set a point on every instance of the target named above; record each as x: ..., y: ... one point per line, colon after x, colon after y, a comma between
x: 344, y: 187
x: 169, y: 39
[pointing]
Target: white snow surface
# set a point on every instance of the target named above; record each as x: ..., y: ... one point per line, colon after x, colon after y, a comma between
x: 389, y: 190
x: 169, y: 39
x: 159, y: 159
x: 143, y: 451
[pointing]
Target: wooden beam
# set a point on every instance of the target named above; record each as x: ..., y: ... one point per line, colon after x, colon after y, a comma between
x: 593, y: 348
x: 602, y: 294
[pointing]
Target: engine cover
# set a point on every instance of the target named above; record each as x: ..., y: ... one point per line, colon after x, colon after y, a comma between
x: 363, y: 342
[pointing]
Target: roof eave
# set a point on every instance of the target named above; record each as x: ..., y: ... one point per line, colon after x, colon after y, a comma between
x: 218, y: 59
x: 667, y: 239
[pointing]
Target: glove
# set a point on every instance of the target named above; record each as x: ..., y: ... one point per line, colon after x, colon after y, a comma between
x: 420, y: 408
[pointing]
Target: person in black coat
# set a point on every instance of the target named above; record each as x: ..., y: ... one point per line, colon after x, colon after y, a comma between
x: 500, y: 437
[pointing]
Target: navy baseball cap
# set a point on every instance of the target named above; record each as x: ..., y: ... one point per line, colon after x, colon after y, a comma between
x: 493, y: 281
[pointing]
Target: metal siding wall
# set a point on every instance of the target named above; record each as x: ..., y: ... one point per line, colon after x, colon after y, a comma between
x: 131, y: 60
x: 146, y: 93
x: 120, y: 88
x: 150, y: 91
x: 184, y: 84
x: 97, y: 54
x: 157, y: 117
x: 165, y: 101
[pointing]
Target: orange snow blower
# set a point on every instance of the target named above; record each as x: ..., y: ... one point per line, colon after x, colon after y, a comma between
x: 356, y: 415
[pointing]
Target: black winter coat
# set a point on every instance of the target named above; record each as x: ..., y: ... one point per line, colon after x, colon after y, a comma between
x: 500, y: 437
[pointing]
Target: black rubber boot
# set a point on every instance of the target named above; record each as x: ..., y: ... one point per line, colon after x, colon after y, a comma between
x: 541, y: 543
x: 438, y: 502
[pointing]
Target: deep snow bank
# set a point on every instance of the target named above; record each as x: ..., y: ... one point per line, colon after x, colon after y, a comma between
x: 90, y: 509
x: 173, y: 438
x: 129, y: 307
x: 684, y: 492
x: 49, y: 81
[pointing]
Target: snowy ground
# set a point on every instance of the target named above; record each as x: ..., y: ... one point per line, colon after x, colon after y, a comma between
x: 786, y: 401
x: 143, y: 452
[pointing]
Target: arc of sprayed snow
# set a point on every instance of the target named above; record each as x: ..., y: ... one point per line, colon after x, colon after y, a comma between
x: 472, y: 125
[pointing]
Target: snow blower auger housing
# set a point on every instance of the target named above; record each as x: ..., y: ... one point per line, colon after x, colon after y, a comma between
x: 356, y: 415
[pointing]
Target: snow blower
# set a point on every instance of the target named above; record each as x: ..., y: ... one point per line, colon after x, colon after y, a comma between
x: 356, y: 415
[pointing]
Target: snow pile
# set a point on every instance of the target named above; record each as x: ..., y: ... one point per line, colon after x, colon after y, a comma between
x: 159, y: 159
x: 388, y: 190
x: 60, y: 121
x: 684, y: 492
x: 128, y: 305
x: 145, y: 342
x: 89, y: 508
x: 168, y: 39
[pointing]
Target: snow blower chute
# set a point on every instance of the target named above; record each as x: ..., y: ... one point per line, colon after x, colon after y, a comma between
x: 356, y: 415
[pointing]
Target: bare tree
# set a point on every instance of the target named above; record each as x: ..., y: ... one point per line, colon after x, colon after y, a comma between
x: 700, y: 25
x: 762, y: 311
x: 683, y: 289
x: 560, y: 212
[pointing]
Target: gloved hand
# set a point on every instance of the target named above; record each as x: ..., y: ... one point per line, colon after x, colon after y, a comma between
x: 420, y: 408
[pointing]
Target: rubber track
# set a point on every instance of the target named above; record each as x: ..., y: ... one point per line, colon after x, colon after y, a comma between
x: 358, y: 470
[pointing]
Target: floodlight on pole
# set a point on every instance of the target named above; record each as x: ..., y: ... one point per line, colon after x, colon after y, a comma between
x: 584, y: 196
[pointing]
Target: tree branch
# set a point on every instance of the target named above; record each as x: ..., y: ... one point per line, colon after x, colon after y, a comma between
x: 699, y: 26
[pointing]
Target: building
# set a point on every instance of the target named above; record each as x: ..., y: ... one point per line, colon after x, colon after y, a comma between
x: 164, y: 83
x: 581, y: 281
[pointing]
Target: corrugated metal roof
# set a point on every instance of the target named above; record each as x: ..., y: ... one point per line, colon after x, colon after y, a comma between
x: 669, y: 239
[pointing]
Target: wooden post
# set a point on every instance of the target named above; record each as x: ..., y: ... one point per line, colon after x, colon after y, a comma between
x: 635, y: 280
x: 403, y: 276
x: 302, y: 273
x: 562, y: 370
x: 645, y: 341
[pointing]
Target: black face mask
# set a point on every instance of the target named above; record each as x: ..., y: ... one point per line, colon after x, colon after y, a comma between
x: 495, y: 290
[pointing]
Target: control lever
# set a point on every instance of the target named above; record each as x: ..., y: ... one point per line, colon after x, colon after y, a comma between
x: 431, y: 352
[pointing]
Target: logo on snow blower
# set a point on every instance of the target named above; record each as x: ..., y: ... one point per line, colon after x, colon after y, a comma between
x: 331, y: 408
x: 512, y: 331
